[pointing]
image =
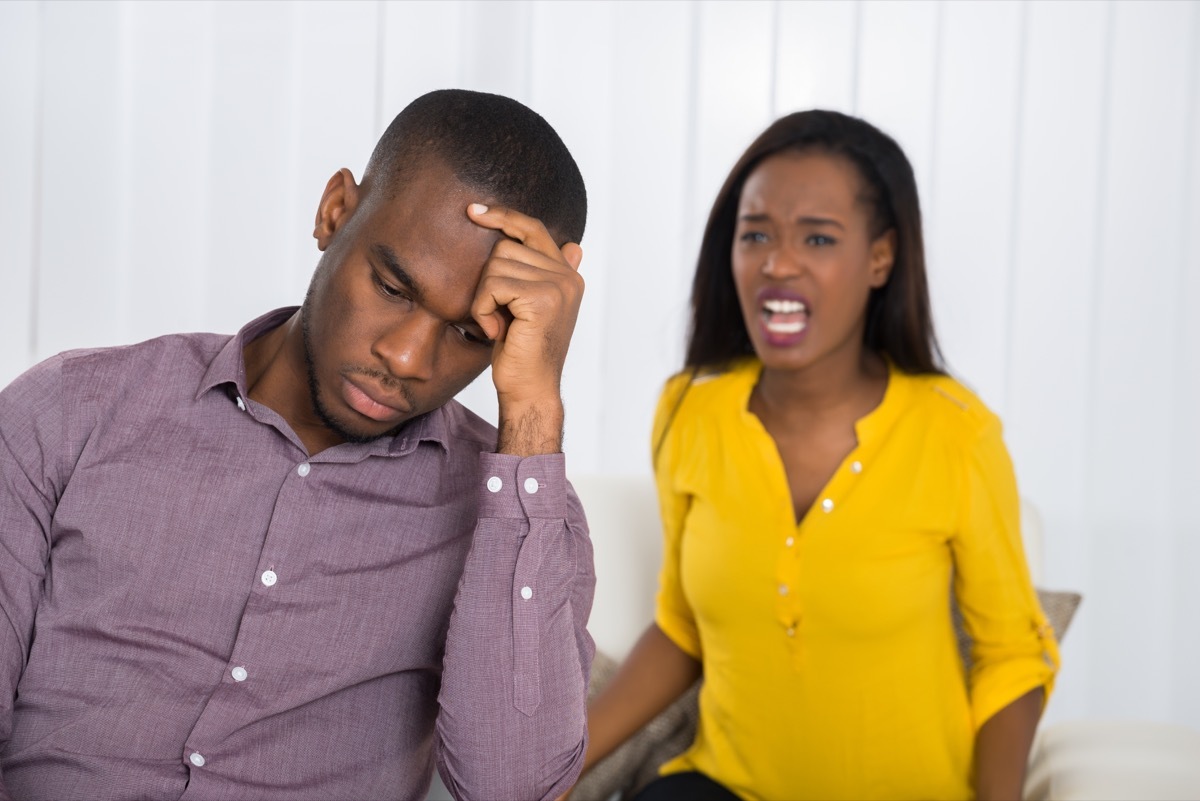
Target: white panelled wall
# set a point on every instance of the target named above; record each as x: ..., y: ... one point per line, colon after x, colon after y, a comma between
x: 160, y: 165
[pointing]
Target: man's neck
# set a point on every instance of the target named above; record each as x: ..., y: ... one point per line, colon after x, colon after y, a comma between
x: 277, y: 377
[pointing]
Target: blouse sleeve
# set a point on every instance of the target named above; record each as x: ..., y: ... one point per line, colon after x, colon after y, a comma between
x: 1013, y: 647
x: 672, y: 614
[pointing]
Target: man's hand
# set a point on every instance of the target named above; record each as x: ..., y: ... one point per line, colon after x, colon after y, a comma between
x: 527, y: 301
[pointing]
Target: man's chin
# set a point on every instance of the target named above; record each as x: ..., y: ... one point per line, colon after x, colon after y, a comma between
x: 353, y: 433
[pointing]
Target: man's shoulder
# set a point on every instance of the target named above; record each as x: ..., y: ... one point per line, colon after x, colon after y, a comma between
x: 170, y: 362
x: 173, y: 358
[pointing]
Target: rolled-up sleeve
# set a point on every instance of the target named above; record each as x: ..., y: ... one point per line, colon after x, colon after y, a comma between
x: 512, y: 720
x: 672, y: 613
x: 1013, y: 647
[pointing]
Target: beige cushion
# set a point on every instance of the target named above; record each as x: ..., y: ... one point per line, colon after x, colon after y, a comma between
x: 636, y: 762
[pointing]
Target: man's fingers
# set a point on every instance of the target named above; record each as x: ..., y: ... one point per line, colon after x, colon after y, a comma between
x: 573, y: 254
x: 527, y: 230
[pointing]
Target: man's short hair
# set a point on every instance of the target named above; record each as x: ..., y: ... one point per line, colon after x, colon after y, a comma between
x: 493, y: 144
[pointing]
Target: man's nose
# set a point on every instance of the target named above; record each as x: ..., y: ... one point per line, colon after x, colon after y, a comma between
x: 409, y: 346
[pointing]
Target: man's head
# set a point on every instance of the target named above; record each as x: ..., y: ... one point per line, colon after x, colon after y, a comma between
x: 493, y: 144
x: 387, y: 328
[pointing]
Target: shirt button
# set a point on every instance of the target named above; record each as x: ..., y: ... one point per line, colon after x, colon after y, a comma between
x: 526, y: 593
x: 241, y: 403
x: 197, y: 759
x: 856, y: 467
x: 790, y: 541
x: 269, y: 578
x: 783, y: 590
x: 827, y: 505
x: 303, y: 470
x: 531, y: 485
x: 238, y: 673
x: 494, y: 484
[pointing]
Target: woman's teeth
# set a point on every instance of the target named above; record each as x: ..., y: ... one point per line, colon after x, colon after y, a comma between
x: 780, y: 306
x: 784, y: 316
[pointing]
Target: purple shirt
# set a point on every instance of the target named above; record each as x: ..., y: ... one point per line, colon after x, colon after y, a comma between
x: 194, y: 608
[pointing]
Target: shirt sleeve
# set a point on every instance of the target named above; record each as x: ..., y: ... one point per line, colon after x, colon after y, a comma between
x: 31, y: 435
x: 673, y: 615
x: 1013, y: 648
x: 512, y: 723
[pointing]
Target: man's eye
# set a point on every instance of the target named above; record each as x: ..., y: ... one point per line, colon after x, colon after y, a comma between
x: 387, y: 289
x: 471, y: 337
x: 820, y: 240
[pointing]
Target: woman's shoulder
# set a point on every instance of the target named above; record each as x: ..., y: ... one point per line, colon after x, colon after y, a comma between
x: 707, y: 390
x: 705, y: 399
x: 944, y: 400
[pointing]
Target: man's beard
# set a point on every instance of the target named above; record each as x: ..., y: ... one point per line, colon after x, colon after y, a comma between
x: 314, y: 391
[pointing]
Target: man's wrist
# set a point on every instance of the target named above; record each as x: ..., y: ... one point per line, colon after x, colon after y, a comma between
x: 531, y: 427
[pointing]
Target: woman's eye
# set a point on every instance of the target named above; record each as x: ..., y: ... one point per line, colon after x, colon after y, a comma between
x: 820, y: 240
x: 754, y: 237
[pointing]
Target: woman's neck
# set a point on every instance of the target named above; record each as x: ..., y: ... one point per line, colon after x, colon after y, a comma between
x: 826, y: 389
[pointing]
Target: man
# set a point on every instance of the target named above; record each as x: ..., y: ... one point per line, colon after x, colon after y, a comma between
x: 287, y: 564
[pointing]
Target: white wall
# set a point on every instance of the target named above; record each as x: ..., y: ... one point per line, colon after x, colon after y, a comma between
x: 160, y: 165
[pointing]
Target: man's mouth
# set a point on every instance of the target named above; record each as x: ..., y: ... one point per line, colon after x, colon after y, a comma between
x: 367, y: 401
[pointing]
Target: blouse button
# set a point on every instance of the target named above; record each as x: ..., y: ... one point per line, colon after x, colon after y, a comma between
x: 790, y: 541
x: 827, y: 505
x: 856, y: 467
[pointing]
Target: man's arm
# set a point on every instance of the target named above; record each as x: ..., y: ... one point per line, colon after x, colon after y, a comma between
x: 514, y: 684
x: 30, y: 443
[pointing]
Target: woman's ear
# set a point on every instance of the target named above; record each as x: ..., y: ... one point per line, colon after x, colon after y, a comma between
x: 338, y: 202
x: 883, y: 256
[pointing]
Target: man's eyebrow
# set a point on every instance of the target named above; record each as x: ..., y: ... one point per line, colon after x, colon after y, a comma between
x: 388, y: 258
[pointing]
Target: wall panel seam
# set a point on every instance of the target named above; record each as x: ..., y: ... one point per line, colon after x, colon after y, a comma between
x: 1014, y: 220
x: 1095, y: 290
x: 39, y: 152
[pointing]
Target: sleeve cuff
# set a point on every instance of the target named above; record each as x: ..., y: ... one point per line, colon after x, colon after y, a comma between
x: 533, y: 487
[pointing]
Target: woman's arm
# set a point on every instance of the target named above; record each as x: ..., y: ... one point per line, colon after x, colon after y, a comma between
x: 656, y: 672
x: 1002, y: 748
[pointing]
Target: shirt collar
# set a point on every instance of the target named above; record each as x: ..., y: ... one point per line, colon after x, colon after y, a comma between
x: 228, y: 371
x: 873, y: 425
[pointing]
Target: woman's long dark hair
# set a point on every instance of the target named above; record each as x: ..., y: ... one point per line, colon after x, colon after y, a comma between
x: 899, y: 321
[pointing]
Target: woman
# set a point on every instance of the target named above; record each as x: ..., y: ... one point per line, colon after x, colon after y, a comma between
x: 825, y: 488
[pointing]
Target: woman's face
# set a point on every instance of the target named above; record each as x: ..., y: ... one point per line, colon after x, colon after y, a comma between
x: 804, y: 262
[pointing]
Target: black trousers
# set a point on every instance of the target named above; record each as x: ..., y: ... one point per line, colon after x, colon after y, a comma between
x: 685, y: 787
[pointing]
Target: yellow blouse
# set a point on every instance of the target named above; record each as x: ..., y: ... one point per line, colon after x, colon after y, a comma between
x: 830, y: 664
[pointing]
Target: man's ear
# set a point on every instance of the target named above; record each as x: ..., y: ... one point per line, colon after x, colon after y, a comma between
x: 883, y: 256
x: 338, y: 202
